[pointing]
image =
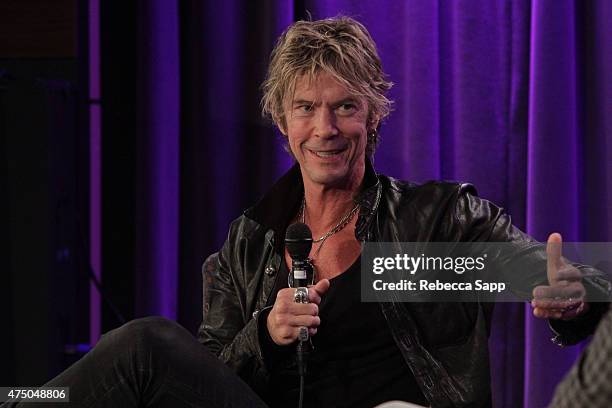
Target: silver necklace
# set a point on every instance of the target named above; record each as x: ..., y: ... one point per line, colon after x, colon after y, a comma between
x: 338, y: 227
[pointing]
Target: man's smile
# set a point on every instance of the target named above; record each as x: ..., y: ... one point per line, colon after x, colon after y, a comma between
x: 324, y: 153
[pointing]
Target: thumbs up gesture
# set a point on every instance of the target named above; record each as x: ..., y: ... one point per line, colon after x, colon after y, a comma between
x: 563, y: 298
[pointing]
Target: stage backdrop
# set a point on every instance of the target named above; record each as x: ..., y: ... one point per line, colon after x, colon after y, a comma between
x: 514, y: 97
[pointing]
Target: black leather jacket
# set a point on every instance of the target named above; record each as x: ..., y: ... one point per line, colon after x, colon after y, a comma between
x: 444, y: 344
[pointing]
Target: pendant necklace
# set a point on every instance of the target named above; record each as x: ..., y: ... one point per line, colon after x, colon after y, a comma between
x: 337, y: 228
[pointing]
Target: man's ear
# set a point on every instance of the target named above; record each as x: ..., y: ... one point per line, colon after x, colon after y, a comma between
x: 280, y: 124
x: 373, y: 122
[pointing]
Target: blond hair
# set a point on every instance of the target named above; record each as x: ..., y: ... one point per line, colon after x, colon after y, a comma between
x: 340, y: 46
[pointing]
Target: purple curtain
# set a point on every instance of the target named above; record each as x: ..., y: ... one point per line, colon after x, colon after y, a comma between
x: 157, y: 187
x: 514, y: 97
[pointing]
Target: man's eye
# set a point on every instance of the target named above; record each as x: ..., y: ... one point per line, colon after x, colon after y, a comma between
x: 347, y: 107
x: 305, y: 108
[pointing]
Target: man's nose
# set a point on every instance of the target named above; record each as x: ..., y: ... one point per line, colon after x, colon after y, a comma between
x: 326, y: 123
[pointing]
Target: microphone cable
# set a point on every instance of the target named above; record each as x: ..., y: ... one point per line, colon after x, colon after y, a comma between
x: 302, y: 355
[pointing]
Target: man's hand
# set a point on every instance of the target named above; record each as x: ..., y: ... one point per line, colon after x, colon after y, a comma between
x: 564, y: 297
x: 286, y: 317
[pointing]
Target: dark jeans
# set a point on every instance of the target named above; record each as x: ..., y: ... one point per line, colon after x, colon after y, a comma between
x: 151, y: 362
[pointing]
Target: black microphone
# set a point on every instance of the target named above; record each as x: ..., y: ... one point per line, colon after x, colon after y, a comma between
x: 298, y: 240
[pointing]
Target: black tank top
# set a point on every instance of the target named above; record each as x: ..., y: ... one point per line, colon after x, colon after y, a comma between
x: 355, y: 362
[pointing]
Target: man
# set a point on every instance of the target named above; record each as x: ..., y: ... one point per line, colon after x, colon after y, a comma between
x: 325, y: 91
x: 588, y: 383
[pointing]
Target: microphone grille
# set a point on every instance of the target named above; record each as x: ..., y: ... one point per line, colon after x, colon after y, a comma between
x: 298, y: 240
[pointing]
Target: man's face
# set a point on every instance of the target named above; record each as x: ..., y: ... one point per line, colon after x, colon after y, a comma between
x: 327, y: 130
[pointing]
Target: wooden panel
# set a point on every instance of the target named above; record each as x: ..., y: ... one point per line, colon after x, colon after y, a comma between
x: 38, y: 28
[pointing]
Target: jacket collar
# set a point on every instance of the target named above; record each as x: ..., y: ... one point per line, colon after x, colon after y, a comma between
x: 368, y: 199
x: 278, y: 206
